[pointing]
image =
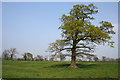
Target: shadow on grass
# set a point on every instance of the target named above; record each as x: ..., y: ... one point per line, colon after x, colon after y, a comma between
x: 79, y: 65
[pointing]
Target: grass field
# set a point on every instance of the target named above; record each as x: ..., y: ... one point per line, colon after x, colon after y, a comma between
x: 0, y: 68
x: 46, y: 69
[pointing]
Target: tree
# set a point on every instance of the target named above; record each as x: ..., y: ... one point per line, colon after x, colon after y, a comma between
x: 79, y: 35
x: 96, y: 58
x: 103, y: 58
x: 6, y: 54
x: 12, y: 53
x: 46, y: 58
x: 62, y: 57
x: 89, y: 58
x: 57, y: 48
x: 51, y: 59
x: 118, y: 59
x: 28, y: 56
x: 39, y: 58
x: 20, y: 59
x: 25, y: 56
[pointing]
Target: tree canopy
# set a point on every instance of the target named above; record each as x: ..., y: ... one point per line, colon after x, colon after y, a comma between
x: 79, y: 35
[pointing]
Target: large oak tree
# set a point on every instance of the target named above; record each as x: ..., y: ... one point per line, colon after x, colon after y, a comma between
x: 79, y: 35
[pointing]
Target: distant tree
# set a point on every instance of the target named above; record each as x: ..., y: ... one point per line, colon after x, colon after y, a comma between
x: 51, y: 59
x: 78, y: 60
x: 96, y: 58
x: 6, y: 54
x: 13, y: 52
x: 118, y: 59
x: 110, y: 59
x: 62, y: 57
x: 10, y: 54
x: 39, y: 58
x: 59, y: 54
x: 45, y: 59
x: 28, y: 56
x: 89, y: 58
x: 79, y: 36
x: 25, y: 56
x: 20, y: 59
x: 103, y: 58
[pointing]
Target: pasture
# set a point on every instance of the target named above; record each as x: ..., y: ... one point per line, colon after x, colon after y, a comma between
x: 58, y: 69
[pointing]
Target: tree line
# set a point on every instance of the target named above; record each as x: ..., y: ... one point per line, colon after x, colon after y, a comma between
x: 11, y: 54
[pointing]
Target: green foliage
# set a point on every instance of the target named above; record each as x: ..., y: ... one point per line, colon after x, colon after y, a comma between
x: 39, y: 58
x: 77, y: 29
x: 77, y: 25
x: 28, y: 56
x: 51, y: 59
x: 56, y: 46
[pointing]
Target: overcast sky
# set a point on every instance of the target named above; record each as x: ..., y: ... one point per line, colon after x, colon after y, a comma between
x: 30, y: 27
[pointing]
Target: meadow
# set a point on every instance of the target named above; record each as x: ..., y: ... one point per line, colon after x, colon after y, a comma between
x: 58, y: 69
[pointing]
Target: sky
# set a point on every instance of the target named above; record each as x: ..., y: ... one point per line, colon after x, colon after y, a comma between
x: 31, y: 26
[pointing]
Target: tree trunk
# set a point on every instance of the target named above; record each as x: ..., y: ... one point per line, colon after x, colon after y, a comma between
x: 73, y: 57
x: 11, y: 56
x: 73, y: 60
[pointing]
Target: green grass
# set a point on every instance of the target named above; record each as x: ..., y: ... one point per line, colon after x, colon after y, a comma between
x: 37, y: 69
x: 0, y: 68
